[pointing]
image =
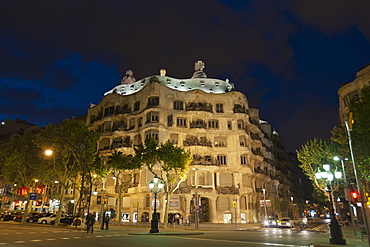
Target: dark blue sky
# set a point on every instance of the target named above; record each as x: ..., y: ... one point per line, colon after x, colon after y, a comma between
x: 288, y: 57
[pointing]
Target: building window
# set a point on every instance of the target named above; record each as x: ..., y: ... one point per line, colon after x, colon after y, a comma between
x: 107, y: 126
x: 226, y: 179
x: 152, y: 117
x: 240, y: 124
x: 181, y: 122
x: 104, y: 144
x: 220, y: 141
x: 221, y: 160
x: 169, y: 120
x: 153, y: 101
x: 243, y: 159
x: 132, y: 123
x: 174, y: 138
x: 137, y: 106
x: 219, y: 108
x: 242, y: 141
x: 137, y: 140
x: 178, y: 105
x: 140, y: 121
x: 109, y: 110
x: 229, y: 125
x: 152, y: 133
x: 213, y: 124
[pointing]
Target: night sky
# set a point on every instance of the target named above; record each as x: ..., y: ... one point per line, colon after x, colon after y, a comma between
x: 288, y: 57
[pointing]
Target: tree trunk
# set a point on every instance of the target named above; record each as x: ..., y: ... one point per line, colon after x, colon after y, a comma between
x: 166, y: 204
x: 61, y: 203
x: 27, y: 209
x: 120, y: 199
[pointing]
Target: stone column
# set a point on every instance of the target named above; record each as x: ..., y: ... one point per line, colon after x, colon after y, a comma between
x: 214, y: 213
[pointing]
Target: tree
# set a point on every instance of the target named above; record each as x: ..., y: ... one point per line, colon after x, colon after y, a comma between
x: 313, y: 155
x: 73, y: 148
x: 361, y: 132
x: 120, y: 164
x: 168, y: 162
x: 22, y: 164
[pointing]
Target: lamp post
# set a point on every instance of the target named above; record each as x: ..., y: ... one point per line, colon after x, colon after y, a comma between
x: 336, y: 235
x: 155, y: 186
x: 264, y: 202
x: 336, y: 158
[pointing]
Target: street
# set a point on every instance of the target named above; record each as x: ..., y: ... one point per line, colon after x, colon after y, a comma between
x: 15, y: 234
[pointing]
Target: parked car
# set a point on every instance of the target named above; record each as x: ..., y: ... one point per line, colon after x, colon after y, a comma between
x: 18, y: 218
x: 49, y: 219
x: 34, y: 217
x: 285, y: 222
x: 8, y: 216
x: 271, y: 221
x: 65, y: 220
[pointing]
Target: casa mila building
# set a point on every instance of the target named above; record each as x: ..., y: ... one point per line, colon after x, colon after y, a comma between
x: 234, y: 169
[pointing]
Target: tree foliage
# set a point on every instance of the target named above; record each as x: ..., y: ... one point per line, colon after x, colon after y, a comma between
x: 166, y: 161
x: 119, y: 165
x: 73, y: 160
x: 313, y: 155
x: 361, y: 132
x: 22, y: 163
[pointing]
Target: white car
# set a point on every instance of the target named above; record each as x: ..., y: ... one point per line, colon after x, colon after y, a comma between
x: 48, y: 219
x: 285, y: 222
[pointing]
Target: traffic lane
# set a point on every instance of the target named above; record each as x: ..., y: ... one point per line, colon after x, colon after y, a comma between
x: 139, y: 241
x: 270, y: 235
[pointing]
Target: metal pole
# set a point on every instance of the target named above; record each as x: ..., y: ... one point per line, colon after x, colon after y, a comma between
x: 264, y: 202
x: 137, y: 212
x: 196, y: 208
x: 349, y: 200
x: 358, y: 183
x: 336, y: 234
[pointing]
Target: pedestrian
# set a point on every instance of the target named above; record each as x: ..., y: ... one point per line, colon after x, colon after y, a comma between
x: 106, y: 220
x: 90, y: 220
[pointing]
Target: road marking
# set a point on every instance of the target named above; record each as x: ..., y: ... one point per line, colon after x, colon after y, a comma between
x: 36, y: 240
x: 50, y: 239
x: 98, y: 236
x: 19, y: 242
x: 64, y: 238
x: 3, y: 243
x: 243, y: 242
x: 76, y: 237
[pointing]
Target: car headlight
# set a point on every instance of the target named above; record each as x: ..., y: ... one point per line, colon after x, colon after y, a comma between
x: 266, y: 222
x: 273, y: 222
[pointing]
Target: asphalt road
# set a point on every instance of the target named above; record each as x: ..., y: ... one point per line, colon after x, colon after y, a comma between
x: 15, y: 234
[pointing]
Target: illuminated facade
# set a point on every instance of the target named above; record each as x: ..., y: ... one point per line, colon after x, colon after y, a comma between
x: 350, y: 91
x: 232, y: 148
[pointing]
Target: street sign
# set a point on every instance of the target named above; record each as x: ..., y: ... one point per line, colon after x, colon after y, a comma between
x: 33, y: 196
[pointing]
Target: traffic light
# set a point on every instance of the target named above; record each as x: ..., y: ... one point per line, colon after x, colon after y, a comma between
x: 354, y: 196
x: 351, y: 121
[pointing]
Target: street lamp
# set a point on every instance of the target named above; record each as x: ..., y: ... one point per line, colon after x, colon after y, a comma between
x: 336, y: 158
x: 155, y: 186
x: 264, y: 202
x: 336, y: 235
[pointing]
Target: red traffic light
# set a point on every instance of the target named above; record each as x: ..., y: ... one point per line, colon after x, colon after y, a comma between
x: 354, y: 195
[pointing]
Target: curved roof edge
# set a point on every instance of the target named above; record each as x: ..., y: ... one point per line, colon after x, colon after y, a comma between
x: 207, y: 85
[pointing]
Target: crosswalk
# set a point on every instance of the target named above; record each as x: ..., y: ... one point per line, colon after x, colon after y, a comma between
x: 321, y: 228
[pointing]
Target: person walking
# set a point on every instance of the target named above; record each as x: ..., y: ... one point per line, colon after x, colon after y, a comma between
x: 90, y: 220
x: 106, y: 221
